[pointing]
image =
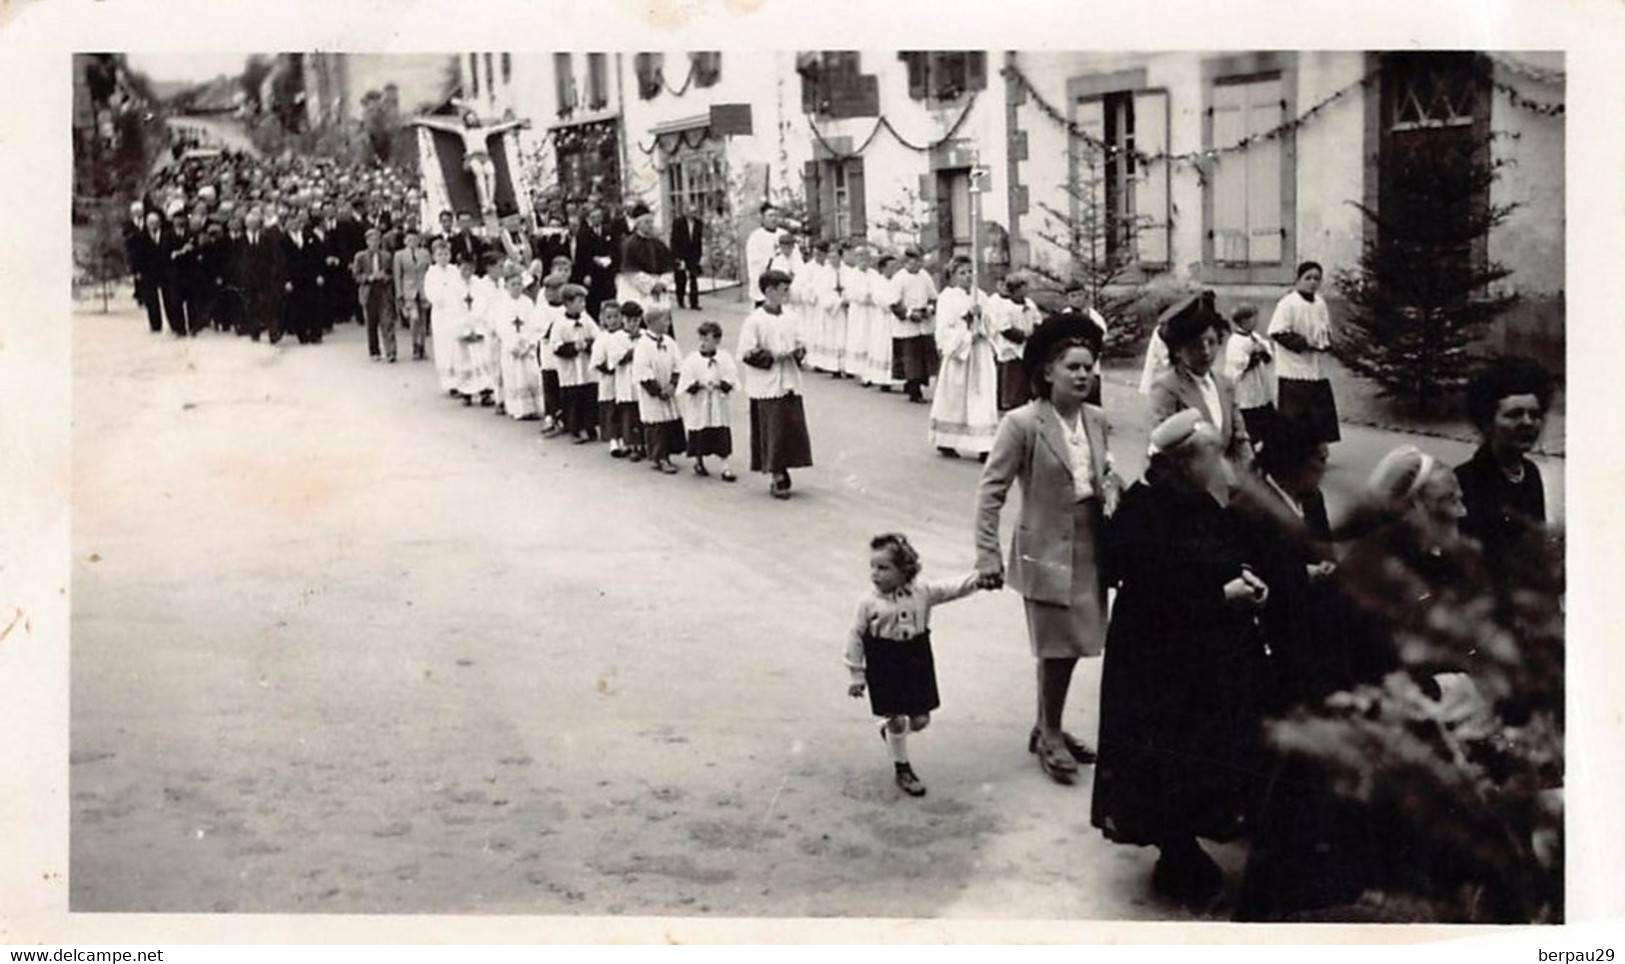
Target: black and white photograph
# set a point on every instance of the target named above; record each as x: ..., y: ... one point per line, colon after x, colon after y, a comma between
x: 735, y: 482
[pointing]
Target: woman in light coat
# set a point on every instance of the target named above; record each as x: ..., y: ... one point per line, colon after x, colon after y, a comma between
x: 1055, y: 447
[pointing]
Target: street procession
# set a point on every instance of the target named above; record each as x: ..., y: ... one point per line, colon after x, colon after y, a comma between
x: 713, y: 378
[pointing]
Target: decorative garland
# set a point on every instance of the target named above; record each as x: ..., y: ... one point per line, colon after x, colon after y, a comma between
x: 1141, y: 158
x: 1519, y: 100
x: 678, y: 140
x: 687, y: 81
x: 884, y: 123
x: 1014, y: 75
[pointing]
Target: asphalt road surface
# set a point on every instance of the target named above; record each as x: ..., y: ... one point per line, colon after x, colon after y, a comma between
x: 342, y: 645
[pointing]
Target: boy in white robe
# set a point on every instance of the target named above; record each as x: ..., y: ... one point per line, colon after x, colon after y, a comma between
x: 914, y: 351
x: 444, y: 290
x: 704, y: 385
x: 621, y: 353
x: 603, y: 365
x: 964, y: 412
x: 513, y: 323
x: 549, y: 308
x: 466, y: 318
x: 816, y: 285
x: 884, y: 296
x: 1012, y: 319
x: 570, y: 342
x: 655, y: 361
x: 774, y: 348
x: 855, y: 304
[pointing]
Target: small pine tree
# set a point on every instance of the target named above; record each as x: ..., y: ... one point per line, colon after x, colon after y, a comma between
x: 1419, y: 299
x: 903, y: 221
x: 1100, y: 251
x: 99, y: 253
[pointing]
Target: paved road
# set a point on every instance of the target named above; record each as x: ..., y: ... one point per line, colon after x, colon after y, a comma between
x: 342, y: 645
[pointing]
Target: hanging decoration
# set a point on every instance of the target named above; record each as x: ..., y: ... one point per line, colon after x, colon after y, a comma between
x: 884, y: 123
x: 1200, y: 157
x: 673, y: 143
x: 1519, y: 100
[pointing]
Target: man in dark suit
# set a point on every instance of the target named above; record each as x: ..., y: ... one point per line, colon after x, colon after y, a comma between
x: 148, y: 252
x: 196, y: 275
x: 225, y: 266
x: 344, y: 235
x: 262, y: 279
x: 177, y: 284
x: 306, y: 258
x: 466, y: 245
x: 687, y: 244
x: 597, y: 259
x: 448, y: 229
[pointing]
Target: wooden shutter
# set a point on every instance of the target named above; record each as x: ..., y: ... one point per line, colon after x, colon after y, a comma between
x: 597, y: 81
x: 854, y: 193
x: 976, y: 70
x: 1089, y: 188
x: 565, y: 82
x: 1228, y: 182
x: 810, y: 191
x: 811, y: 69
x: 1265, y: 112
x: 1150, y: 210
x: 916, y: 60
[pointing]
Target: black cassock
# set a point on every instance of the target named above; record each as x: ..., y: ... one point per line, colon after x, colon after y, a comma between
x: 1179, y: 700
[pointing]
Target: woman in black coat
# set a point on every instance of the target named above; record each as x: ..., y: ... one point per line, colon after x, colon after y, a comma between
x: 1178, y: 709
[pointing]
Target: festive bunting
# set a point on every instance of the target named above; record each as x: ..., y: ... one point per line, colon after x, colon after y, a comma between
x: 884, y: 123
x: 1014, y: 75
x: 1519, y: 100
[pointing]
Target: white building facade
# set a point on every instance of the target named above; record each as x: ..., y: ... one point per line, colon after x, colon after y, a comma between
x: 1222, y: 169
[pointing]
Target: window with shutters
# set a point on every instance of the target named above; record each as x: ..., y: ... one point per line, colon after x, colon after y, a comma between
x: 597, y: 81
x: 1120, y: 204
x: 832, y: 86
x: 650, y: 68
x: 835, y: 198
x: 564, y: 78
x: 944, y: 75
x: 707, y: 67
x: 1248, y: 216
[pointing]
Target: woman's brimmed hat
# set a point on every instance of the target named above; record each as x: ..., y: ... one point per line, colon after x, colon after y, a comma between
x: 1186, y: 320
x: 1051, y: 332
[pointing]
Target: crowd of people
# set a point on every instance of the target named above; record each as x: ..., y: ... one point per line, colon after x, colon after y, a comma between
x: 1216, y: 586
x: 1234, y: 599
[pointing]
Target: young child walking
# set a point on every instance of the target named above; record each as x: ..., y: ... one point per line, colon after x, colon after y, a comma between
x: 889, y: 649
x: 603, y: 365
x: 1249, y: 362
x: 628, y: 415
x: 704, y: 385
x: 654, y: 366
x: 570, y: 343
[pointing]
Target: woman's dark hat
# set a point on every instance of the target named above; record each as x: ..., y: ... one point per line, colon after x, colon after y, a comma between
x: 1051, y: 332
x: 1185, y: 321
